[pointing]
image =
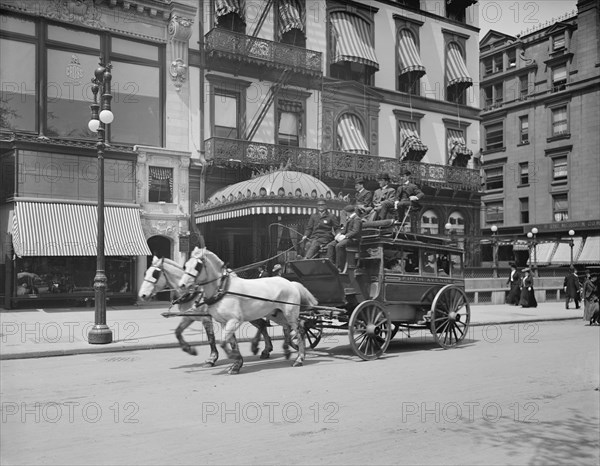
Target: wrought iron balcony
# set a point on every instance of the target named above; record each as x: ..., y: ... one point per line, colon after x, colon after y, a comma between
x: 336, y: 164
x: 235, y: 152
x: 247, y: 50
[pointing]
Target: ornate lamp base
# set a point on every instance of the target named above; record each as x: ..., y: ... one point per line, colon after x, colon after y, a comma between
x: 100, y: 335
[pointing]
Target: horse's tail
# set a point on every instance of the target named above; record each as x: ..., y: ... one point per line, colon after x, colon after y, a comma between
x: 306, y: 297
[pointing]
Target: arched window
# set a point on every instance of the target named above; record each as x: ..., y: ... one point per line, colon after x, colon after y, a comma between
x: 430, y: 223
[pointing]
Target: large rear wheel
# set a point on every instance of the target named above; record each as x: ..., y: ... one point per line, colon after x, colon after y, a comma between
x: 450, y: 316
x: 370, y: 330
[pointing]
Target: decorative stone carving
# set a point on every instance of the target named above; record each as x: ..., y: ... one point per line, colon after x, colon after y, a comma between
x: 180, y: 31
x: 75, y: 11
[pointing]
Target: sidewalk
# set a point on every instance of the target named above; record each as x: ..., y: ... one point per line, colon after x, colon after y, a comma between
x: 32, y: 333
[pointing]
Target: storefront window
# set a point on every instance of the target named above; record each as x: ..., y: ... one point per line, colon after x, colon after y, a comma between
x: 39, y: 276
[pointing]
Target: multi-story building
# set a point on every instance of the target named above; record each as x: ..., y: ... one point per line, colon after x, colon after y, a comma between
x: 213, y: 93
x: 540, y: 131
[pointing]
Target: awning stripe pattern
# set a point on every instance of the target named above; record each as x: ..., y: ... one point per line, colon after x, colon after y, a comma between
x: 291, y: 16
x: 409, y: 60
x: 224, y: 7
x: 456, y: 68
x: 350, y: 135
x: 259, y: 210
x: 411, y: 146
x: 543, y: 252
x: 352, y: 40
x: 590, y: 254
x: 54, y: 229
x: 562, y: 254
x: 457, y: 146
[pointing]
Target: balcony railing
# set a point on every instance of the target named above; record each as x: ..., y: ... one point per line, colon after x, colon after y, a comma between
x: 346, y: 165
x: 232, y: 152
x: 247, y: 48
x: 334, y: 164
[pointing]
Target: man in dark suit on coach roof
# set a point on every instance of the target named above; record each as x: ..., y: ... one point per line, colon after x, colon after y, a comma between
x: 347, y: 236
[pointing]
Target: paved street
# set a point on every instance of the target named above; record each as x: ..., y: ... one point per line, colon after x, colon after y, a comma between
x: 523, y: 393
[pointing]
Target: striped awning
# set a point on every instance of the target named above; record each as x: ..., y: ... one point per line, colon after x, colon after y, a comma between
x: 350, y: 135
x: 291, y: 16
x: 543, y: 252
x: 459, y: 153
x: 352, y: 40
x: 206, y: 217
x: 224, y: 7
x: 456, y: 68
x: 590, y: 254
x: 562, y: 254
x: 409, y: 60
x: 55, y: 229
x: 411, y: 146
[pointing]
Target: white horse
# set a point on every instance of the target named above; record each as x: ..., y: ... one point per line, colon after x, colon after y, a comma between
x: 165, y: 273
x: 232, y: 300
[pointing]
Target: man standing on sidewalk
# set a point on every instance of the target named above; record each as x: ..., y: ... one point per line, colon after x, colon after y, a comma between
x: 572, y: 286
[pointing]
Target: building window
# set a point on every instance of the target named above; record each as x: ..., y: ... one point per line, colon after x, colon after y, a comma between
x: 494, y: 178
x: 560, y: 207
x: 523, y: 87
x: 524, y: 209
x: 560, y: 168
x: 429, y: 223
x: 456, y: 11
x: 494, y: 136
x: 493, y: 96
x: 160, y: 184
x: 524, y: 129
x: 69, y: 57
x: 560, y: 122
x: 291, y: 20
x: 559, y: 78
x: 288, y: 134
x: 512, y: 58
x: 494, y: 212
x: 558, y: 41
x: 408, y: 83
x: 227, y: 114
x: 524, y: 173
x: 457, y: 74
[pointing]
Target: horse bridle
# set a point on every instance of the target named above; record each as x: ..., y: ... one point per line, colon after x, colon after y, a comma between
x: 198, y: 268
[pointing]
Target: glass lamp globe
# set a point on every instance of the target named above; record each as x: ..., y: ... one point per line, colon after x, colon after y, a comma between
x: 571, y: 232
x: 494, y: 228
x: 529, y: 235
x: 534, y: 230
x: 93, y: 125
x: 448, y: 226
x: 106, y: 117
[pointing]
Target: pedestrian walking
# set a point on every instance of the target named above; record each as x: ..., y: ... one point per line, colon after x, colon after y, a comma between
x: 572, y: 288
x: 514, y: 282
x: 527, y: 292
x: 590, y: 298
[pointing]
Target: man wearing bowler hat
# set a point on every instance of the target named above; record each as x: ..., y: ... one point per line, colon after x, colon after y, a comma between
x: 408, y: 196
x: 383, y: 197
x: 348, y: 235
x: 320, y: 228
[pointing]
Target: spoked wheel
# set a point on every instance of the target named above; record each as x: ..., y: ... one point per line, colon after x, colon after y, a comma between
x: 313, y: 331
x: 450, y: 316
x: 370, y: 330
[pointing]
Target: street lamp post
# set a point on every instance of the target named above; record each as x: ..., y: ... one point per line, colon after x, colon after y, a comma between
x: 571, y: 244
x: 532, y: 245
x: 101, y: 118
x: 494, y: 229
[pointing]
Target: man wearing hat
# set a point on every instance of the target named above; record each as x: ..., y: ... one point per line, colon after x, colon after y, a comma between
x: 383, y: 197
x: 349, y: 234
x: 320, y: 228
x: 408, y: 196
x: 363, y: 197
x: 572, y: 287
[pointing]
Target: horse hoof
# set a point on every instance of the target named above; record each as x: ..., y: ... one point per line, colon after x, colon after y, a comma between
x: 190, y: 350
x: 254, y: 349
x: 287, y: 354
x: 208, y: 364
x: 264, y: 355
x: 298, y: 364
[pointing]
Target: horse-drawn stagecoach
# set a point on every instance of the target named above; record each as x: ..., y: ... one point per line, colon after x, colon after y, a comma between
x: 393, y: 280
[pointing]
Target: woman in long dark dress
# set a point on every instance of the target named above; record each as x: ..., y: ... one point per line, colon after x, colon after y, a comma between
x: 514, y: 281
x: 527, y: 291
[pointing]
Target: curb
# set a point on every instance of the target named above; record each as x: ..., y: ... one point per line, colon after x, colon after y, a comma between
x: 152, y: 346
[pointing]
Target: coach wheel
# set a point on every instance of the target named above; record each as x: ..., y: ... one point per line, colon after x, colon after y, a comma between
x: 370, y: 330
x: 313, y: 331
x: 450, y: 316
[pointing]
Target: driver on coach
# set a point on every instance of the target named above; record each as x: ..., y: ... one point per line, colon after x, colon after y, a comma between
x: 319, y: 231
